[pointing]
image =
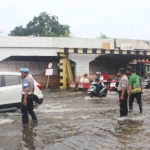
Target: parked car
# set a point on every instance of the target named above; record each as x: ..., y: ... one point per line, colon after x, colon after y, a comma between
x: 11, y: 88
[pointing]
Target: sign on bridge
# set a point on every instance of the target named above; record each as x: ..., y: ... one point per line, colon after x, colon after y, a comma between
x: 127, y: 46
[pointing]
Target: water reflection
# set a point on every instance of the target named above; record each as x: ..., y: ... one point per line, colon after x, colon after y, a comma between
x: 129, y: 131
x: 28, y: 137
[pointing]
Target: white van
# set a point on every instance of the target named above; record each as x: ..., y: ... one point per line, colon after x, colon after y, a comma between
x: 11, y: 88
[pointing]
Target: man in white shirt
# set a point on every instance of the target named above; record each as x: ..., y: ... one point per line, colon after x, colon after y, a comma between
x: 123, y: 94
x: 84, y: 79
x: 27, y: 97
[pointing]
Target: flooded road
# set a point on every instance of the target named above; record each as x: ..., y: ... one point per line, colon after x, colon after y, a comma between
x: 72, y: 121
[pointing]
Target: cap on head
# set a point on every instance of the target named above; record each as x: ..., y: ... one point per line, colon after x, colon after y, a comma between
x: 132, y: 71
x: 122, y: 70
x: 98, y: 72
x: 25, y: 70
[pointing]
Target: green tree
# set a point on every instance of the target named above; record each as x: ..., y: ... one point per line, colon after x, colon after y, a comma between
x: 43, y: 25
x: 103, y: 36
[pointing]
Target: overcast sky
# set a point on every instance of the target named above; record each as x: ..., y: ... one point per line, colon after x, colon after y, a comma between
x: 87, y: 18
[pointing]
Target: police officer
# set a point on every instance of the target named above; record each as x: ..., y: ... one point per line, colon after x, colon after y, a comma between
x: 27, y: 97
x: 123, y: 94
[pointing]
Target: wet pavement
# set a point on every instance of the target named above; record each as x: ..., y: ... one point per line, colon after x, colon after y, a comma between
x: 72, y: 121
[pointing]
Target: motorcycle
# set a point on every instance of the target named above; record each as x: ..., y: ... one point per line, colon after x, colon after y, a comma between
x: 144, y: 83
x: 93, y: 92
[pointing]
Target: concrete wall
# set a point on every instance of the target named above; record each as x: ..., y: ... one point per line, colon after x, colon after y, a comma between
x: 36, y: 68
x: 7, y: 52
x: 82, y: 43
x: 54, y: 81
x: 46, y: 46
x: 17, y: 41
x: 53, y: 42
x: 59, y: 42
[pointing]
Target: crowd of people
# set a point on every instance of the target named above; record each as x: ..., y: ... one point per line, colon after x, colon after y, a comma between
x: 127, y: 88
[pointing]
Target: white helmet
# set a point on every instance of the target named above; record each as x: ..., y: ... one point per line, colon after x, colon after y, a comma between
x: 98, y: 72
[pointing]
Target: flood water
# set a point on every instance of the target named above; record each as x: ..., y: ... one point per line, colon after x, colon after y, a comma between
x: 72, y: 121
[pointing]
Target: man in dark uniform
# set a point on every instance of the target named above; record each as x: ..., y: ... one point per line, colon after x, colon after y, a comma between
x: 123, y: 94
x: 27, y: 97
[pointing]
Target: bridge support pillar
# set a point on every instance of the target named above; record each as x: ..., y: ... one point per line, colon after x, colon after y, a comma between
x: 82, y: 63
x: 66, y: 75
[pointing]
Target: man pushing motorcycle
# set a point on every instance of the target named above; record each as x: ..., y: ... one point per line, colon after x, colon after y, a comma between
x: 99, y: 80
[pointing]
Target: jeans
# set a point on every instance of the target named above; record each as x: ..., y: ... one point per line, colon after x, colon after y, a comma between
x: 123, y: 104
x: 28, y: 109
x: 138, y: 98
x: 98, y: 88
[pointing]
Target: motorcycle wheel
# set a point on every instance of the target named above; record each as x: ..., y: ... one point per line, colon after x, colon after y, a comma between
x: 90, y: 95
x: 104, y: 94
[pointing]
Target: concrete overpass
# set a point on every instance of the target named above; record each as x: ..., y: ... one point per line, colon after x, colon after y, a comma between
x: 43, y: 46
x: 88, y: 55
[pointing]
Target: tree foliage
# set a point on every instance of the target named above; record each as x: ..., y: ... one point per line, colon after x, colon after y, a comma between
x: 103, y: 36
x: 44, y: 25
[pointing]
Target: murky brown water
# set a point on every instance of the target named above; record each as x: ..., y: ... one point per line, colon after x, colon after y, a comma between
x: 69, y: 121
